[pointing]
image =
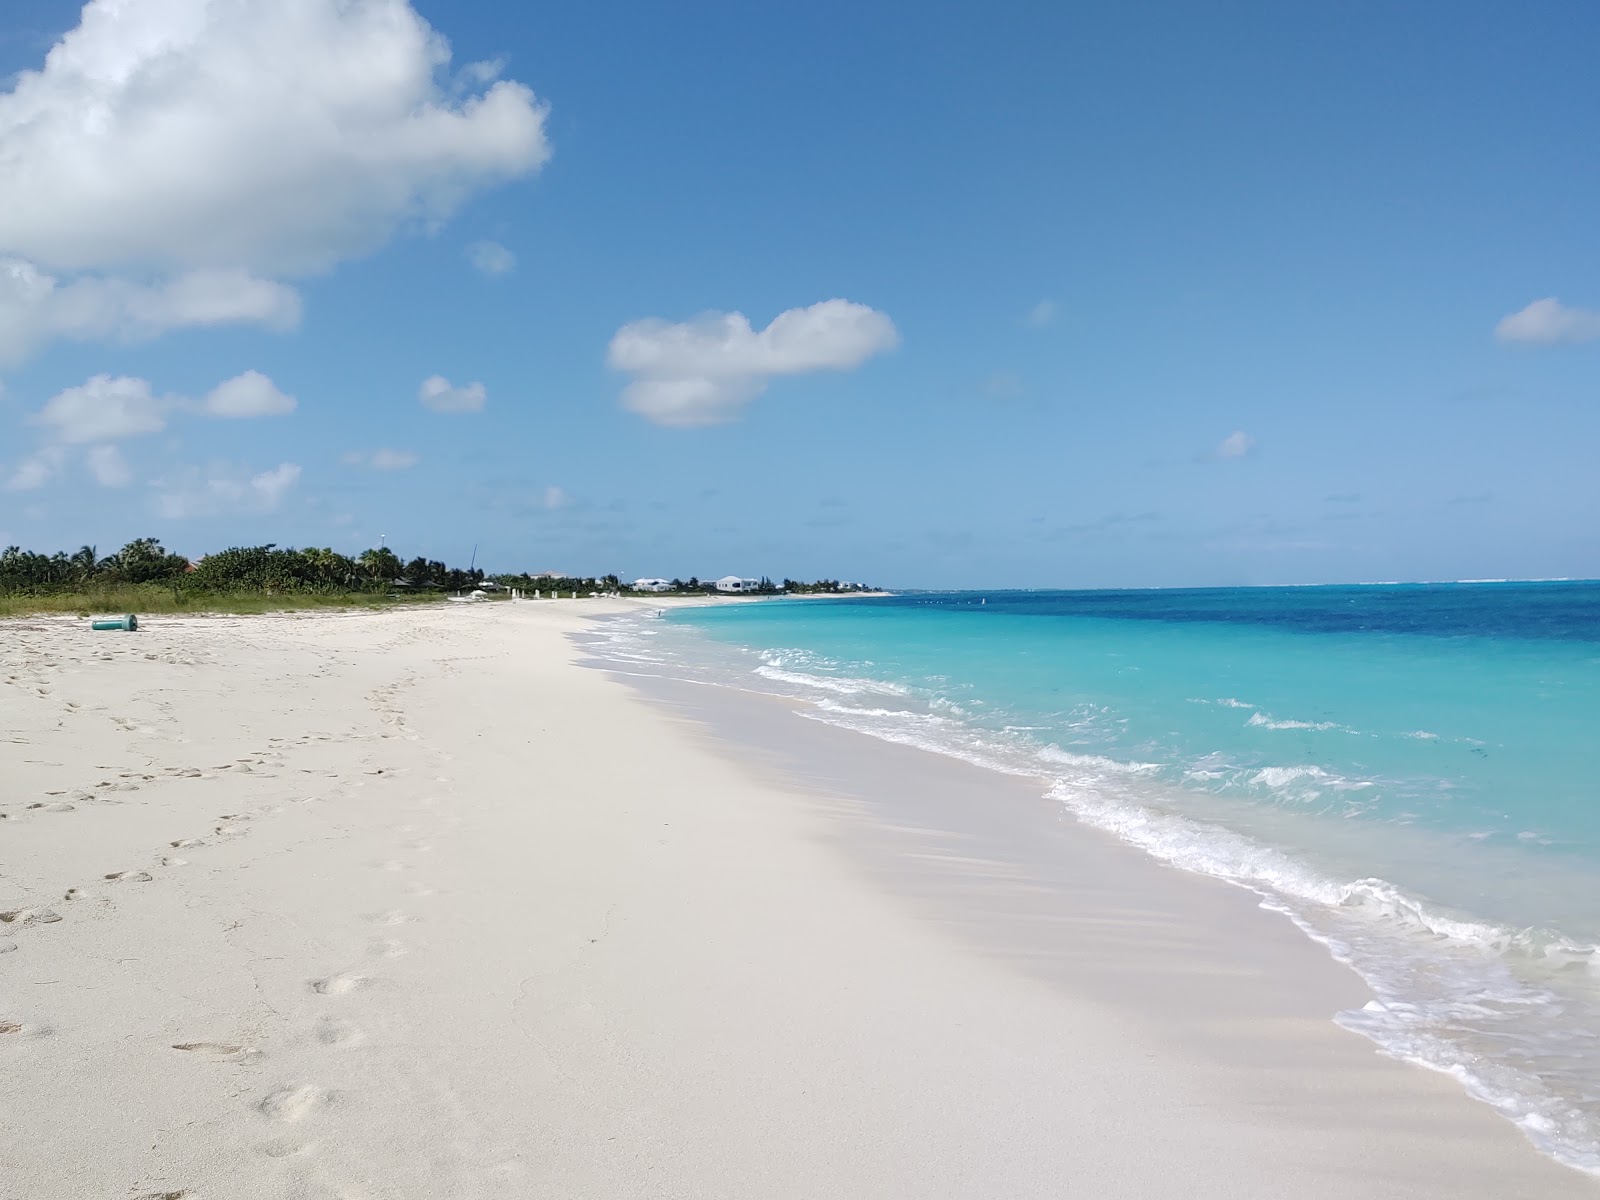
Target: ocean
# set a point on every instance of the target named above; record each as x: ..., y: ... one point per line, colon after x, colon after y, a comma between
x: 1405, y: 771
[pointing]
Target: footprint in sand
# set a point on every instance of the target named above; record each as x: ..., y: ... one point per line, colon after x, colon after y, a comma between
x: 130, y: 877
x: 12, y: 1030
x: 331, y: 1031
x: 7, y: 947
x: 385, y: 948
x: 294, y: 1102
x: 180, y: 1194
x: 339, y: 985
x: 219, y: 1051
x: 286, y: 1147
x: 391, y: 917
x: 29, y: 916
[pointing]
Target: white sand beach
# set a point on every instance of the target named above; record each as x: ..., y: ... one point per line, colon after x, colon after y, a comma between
x: 413, y: 904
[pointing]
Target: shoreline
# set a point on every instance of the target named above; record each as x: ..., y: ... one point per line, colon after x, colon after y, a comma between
x: 372, y: 905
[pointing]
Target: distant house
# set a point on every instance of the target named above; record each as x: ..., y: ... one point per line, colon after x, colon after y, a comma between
x: 652, y: 585
x: 732, y: 583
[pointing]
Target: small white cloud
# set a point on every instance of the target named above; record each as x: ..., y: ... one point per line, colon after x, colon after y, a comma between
x: 1237, y: 444
x: 1041, y: 314
x: 704, y: 372
x: 381, y: 459
x: 109, y: 468
x: 105, y: 409
x: 249, y: 395
x: 1548, y: 322
x: 438, y: 394
x: 491, y: 258
x: 36, y: 470
x: 555, y: 497
x: 221, y: 488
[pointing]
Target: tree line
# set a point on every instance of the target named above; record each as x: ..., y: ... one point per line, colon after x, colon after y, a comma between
x: 273, y: 569
x: 268, y: 568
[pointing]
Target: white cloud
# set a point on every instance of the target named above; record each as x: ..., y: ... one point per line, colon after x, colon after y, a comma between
x: 249, y: 395
x: 555, y: 497
x: 381, y: 459
x: 438, y: 394
x: 221, y: 488
x: 37, y: 307
x: 704, y: 372
x: 1237, y: 444
x: 491, y: 258
x: 109, y: 468
x: 1548, y: 322
x: 105, y: 409
x: 1041, y: 314
x: 36, y: 470
x: 170, y: 160
x: 282, y: 135
x: 108, y: 408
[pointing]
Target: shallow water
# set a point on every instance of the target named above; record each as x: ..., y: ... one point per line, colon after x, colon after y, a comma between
x: 1404, y: 770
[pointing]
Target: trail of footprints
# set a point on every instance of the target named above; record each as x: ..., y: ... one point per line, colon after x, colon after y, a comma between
x: 289, y: 1104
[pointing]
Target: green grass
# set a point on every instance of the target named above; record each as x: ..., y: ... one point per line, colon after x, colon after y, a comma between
x: 153, y: 598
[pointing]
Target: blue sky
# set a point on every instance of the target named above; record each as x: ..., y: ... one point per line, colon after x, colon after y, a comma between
x: 1128, y: 294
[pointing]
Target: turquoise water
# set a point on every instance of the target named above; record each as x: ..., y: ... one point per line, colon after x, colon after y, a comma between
x: 1405, y: 771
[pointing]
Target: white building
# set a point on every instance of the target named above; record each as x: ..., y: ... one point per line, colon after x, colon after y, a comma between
x: 732, y: 583
x: 652, y: 585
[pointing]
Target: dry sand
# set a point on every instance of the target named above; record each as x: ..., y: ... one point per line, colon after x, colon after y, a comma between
x: 409, y: 905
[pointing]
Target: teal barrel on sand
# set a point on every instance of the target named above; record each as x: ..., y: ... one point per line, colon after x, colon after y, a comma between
x: 129, y: 622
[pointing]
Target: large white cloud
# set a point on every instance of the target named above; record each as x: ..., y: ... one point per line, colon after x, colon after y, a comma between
x: 279, y: 135
x: 171, y: 160
x: 220, y: 488
x: 705, y: 371
x: 1548, y: 322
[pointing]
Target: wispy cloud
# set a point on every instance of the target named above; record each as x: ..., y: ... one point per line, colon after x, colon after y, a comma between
x: 1237, y: 444
x: 440, y: 395
x: 491, y: 258
x: 1004, y: 385
x: 222, y: 488
x: 1041, y: 315
x: 382, y: 459
x: 109, y: 468
x: 1548, y: 322
x: 36, y: 470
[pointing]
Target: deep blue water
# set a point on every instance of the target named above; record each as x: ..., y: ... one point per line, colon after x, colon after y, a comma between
x: 1407, y: 771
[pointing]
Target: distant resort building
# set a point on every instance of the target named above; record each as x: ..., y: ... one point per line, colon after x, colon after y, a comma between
x: 652, y: 585
x: 732, y: 583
